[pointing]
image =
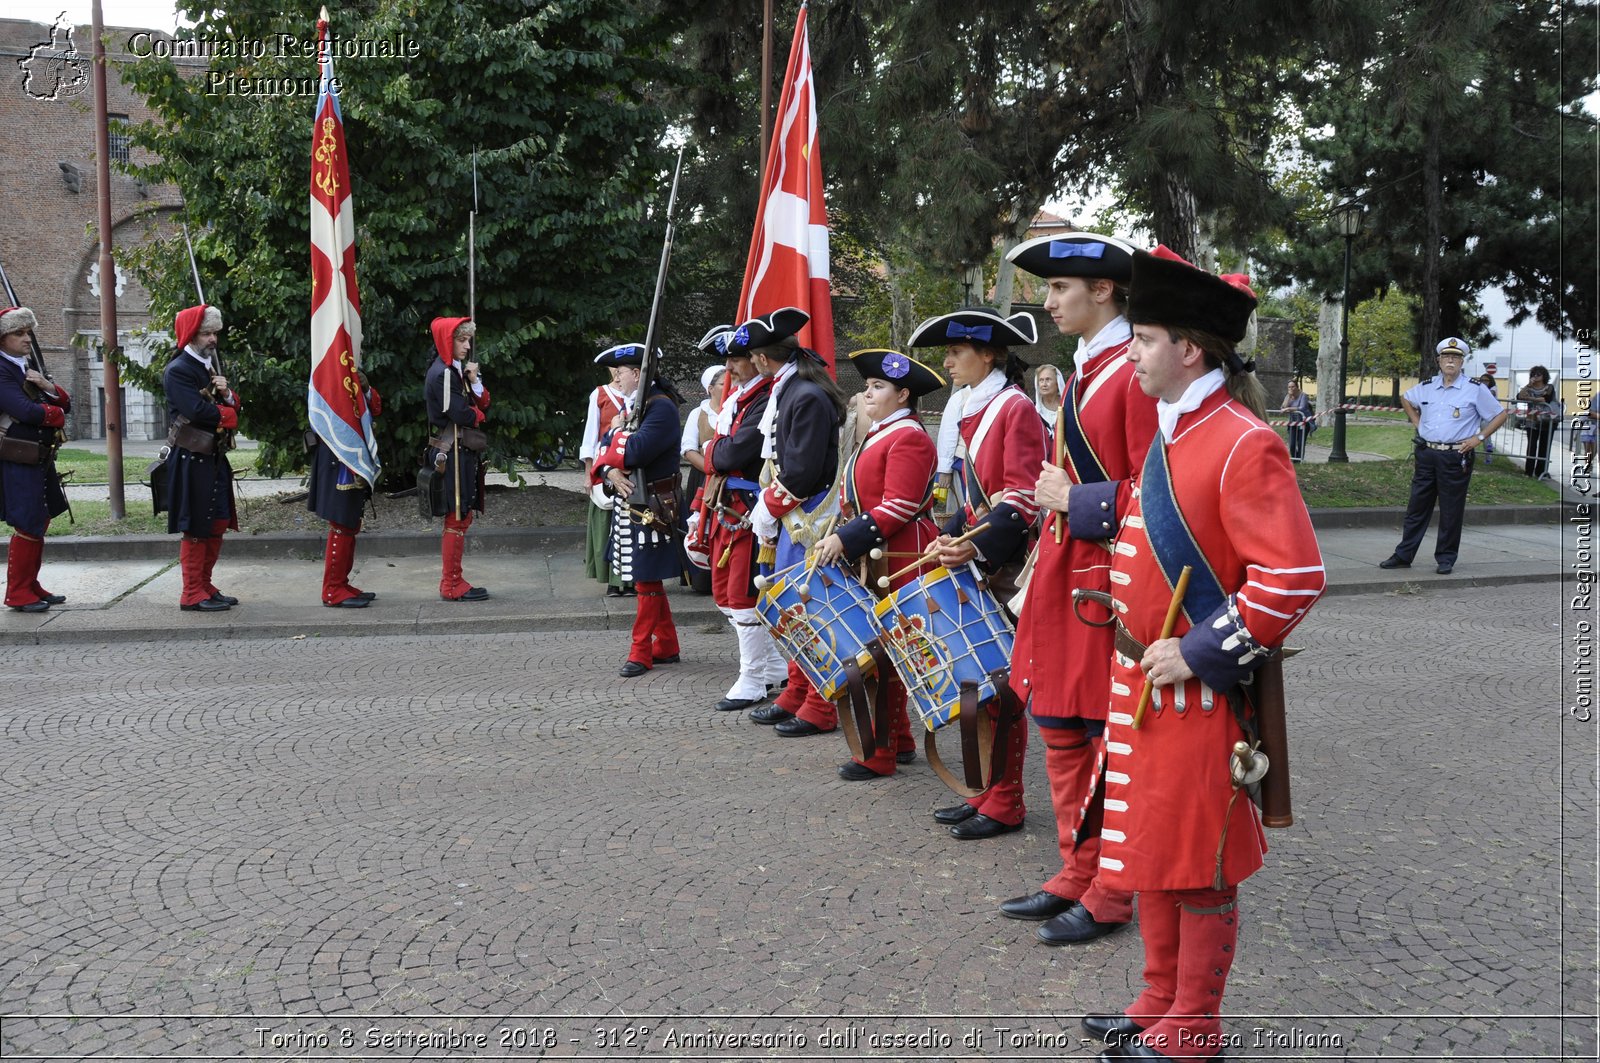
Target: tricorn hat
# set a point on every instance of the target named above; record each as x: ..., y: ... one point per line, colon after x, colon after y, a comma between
x: 622, y: 354
x: 1167, y: 290
x: 1075, y: 255
x: 976, y: 325
x: 716, y: 339
x: 766, y: 330
x: 17, y: 319
x: 897, y: 369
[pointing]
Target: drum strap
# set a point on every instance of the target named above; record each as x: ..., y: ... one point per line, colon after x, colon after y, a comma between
x: 866, y: 725
x: 985, y: 739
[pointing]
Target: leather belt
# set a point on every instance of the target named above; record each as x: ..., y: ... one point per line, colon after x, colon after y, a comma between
x: 1123, y: 640
x: 1440, y: 446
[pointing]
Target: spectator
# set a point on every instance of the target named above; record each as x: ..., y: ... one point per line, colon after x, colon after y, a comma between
x: 1301, y: 423
x: 1540, y: 420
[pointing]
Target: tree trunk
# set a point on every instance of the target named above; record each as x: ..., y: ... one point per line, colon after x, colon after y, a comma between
x: 1433, y: 218
x: 1328, y: 322
x: 1005, y: 278
x: 900, y: 323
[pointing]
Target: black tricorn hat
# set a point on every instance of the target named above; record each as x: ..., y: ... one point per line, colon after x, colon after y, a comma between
x: 622, y: 354
x: 716, y: 339
x: 1168, y: 291
x: 1076, y: 255
x: 766, y: 330
x: 897, y: 369
x: 976, y: 325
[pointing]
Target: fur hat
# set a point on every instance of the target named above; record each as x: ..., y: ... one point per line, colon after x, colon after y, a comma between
x: 1168, y: 291
x: 1075, y: 255
x: 17, y: 319
x: 193, y: 320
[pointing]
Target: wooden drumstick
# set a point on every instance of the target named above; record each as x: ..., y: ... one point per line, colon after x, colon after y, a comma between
x: 884, y: 581
x: 1166, y: 632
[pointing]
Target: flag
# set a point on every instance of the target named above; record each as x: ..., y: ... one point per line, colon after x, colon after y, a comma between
x: 788, y: 260
x: 335, y: 402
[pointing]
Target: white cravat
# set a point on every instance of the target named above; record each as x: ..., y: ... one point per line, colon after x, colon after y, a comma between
x: 20, y: 363
x: 1116, y: 331
x: 201, y: 358
x: 979, y: 394
x: 730, y: 405
x: 891, y: 419
x: 769, y: 419
x: 1167, y: 413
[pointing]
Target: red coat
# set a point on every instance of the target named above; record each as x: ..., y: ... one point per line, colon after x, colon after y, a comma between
x: 738, y: 453
x: 1168, y: 790
x: 1061, y: 661
x: 1005, y: 456
x: 886, y: 490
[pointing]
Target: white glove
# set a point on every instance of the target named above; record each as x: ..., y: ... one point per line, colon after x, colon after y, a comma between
x: 691, y: 524
x: 762, y: 522
x: 601, y: 498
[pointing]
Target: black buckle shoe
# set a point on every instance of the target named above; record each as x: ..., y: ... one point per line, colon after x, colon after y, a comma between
x: 1111, y: 1029
x: 207, y: 605
x: 798, y: 728
x: 348, y: 603
x: 954, y: 814
x: 52, y: 599
x: 771, y: 715
x: 854, y: 771
x: 226, y: 599
x: 1041, y: 904
x: 1074, y: 927
x: 632, y: 670
x: 981, y: 826
x: 36, y: 607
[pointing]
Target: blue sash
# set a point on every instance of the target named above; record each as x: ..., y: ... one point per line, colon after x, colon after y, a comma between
x: 1075, y: 449
x: 1171, y: 541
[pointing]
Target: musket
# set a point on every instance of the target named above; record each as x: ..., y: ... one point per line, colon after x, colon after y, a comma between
x: 35, y: 355
x: 472, y: 315
x: 224, y: 438
x: 647, y: 367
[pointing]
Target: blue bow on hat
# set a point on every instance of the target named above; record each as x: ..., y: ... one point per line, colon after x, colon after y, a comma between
x: 955, y: 330
x: 741, y: 336
x: 1076, y: 249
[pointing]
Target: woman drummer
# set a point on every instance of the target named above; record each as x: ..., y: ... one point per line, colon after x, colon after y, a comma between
x: 997, y: 464
x: 885, y: 495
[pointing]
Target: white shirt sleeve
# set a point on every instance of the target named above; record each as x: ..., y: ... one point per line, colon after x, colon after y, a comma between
x: 591, y: 430
x: 690, y: 440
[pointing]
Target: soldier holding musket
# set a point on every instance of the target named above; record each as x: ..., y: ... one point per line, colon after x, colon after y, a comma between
x: 456, y: 402
x: 204, y: 414
x: 33, y: 409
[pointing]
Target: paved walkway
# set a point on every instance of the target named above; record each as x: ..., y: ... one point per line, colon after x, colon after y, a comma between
x: 488, y: 845
x: 127, y: 589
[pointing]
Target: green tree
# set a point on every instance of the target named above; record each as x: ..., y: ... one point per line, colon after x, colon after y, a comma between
x: 562, y: 102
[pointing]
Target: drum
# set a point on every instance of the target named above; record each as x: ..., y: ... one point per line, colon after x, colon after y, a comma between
x: 942, y: 630
x: 823, y: 618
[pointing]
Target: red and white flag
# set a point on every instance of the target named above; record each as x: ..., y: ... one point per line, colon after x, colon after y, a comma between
x: 335, y: 401
x: 788, y: 260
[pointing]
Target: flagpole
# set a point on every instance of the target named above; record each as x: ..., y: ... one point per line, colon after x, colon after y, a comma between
x: 766, y: 90
x: 111, y: 378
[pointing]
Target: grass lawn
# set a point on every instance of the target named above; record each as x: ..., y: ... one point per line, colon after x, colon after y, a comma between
x: 88, y: 467
x: 94, y: 518
x: 1388, y: 483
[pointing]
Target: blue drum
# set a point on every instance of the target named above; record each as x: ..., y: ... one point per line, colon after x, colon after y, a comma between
x: 940, y: 631
x: 823, y: 618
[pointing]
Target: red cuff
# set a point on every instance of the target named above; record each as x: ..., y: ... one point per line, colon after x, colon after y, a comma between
x: 61, y: 398
x: 227, y: 418
x: 482, y: 401
x: 779, y: 501
x: 54, y: 417
x: 479, y: 415
x: 614, y: 456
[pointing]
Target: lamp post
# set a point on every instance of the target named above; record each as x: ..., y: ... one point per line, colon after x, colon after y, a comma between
x: 1348, y: 217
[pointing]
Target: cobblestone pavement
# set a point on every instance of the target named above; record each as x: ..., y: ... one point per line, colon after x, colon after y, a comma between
x: 394, y: 847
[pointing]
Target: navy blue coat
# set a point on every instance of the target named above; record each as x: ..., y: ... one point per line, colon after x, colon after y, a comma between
x: 201, y: 484
x: 642, y: 553
x: 806, y: 444
x: 29, y: 494
x: 462, y: 412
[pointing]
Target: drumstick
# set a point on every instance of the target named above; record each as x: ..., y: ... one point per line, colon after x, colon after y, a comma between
x: 1166, y: 633
x: 923, y: 559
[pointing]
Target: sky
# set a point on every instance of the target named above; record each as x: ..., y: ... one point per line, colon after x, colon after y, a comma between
x: 143, y: 14
x: 1518, y: 348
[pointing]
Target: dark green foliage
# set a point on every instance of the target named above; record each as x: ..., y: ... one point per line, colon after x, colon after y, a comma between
x: 560, y: 100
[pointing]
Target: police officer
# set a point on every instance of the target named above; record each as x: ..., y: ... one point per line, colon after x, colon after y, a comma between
x: 1453, y: 416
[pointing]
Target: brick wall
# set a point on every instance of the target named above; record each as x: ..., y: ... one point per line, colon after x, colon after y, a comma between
x: 50, y: 241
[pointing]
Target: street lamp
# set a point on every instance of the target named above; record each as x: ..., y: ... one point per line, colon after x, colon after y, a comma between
x: 1347, y: 216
